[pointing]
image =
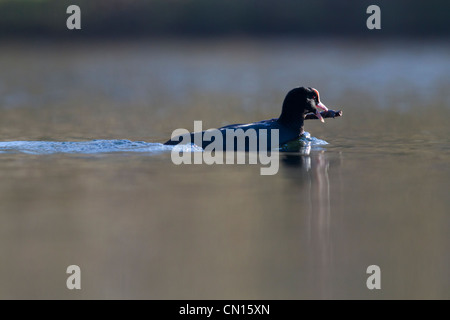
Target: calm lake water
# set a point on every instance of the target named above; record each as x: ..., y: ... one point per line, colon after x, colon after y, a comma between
x: 141, y: 227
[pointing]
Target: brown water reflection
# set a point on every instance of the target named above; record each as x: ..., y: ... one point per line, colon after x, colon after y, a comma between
x: 314, y: 174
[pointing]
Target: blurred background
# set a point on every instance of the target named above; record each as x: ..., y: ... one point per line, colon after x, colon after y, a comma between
x: 141, y: 227
x: 203, y: 18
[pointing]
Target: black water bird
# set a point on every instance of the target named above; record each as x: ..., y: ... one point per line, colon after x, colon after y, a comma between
x: 299, y: 104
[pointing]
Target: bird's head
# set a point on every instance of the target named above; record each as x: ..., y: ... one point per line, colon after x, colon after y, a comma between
x: 301, y: 101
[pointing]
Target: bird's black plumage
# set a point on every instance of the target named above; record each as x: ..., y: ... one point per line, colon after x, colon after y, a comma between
x: 297, y: 103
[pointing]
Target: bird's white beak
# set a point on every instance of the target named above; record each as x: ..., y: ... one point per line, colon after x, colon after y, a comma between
x: 322, y: 107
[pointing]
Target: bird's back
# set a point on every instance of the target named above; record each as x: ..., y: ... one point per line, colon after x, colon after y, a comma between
x: 240, y: 137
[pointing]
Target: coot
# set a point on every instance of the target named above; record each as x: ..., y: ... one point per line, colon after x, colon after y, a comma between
x: 299, y: 103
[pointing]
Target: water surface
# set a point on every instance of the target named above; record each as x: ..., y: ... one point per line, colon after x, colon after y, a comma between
x: 141, y: 227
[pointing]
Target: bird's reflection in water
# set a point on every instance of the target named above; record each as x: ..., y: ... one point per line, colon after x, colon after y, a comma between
x: 311, y: 172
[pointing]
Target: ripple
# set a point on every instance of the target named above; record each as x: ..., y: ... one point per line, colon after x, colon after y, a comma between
x: 86, y: 147
x: 108, y: 146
